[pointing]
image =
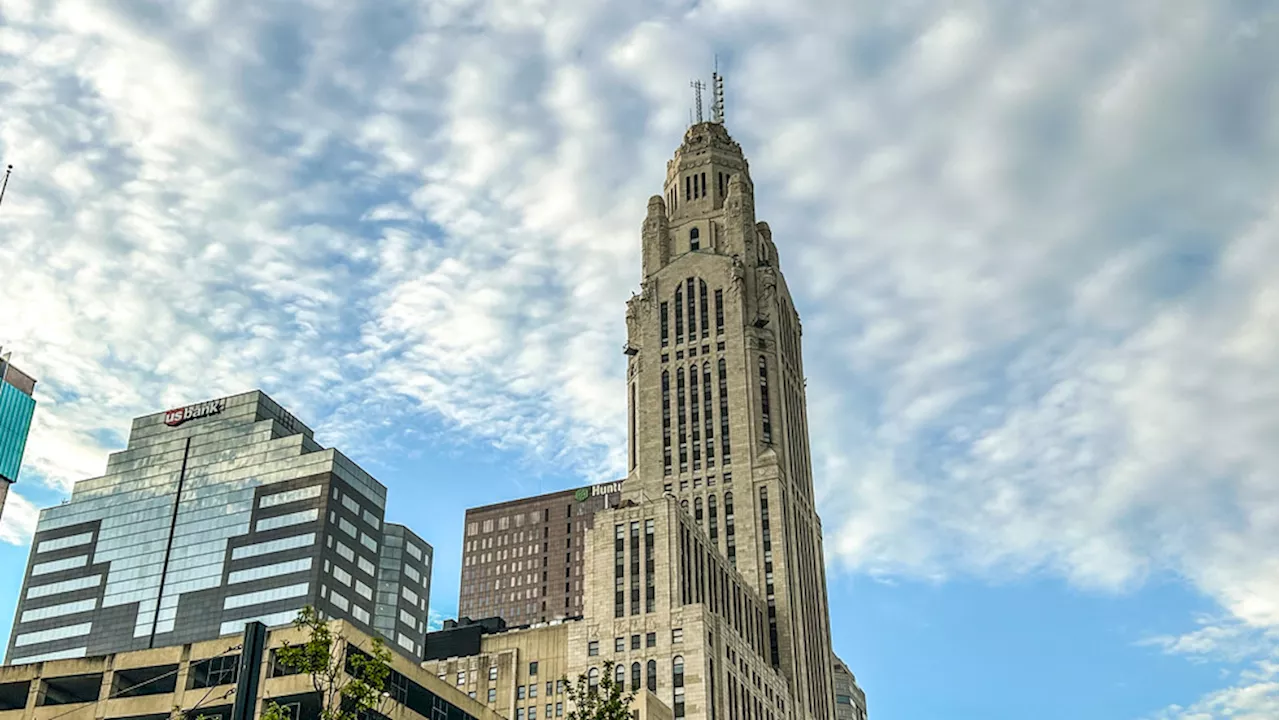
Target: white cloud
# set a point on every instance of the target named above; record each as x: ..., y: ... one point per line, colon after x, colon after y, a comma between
x: 18, y: 523
x: 1034, y: 249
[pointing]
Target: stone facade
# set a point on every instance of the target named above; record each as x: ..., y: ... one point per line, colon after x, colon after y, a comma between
x: 706, y: 583
x: 716, y: 398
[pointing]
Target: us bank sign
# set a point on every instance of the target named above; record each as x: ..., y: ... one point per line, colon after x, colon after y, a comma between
x: 174, y: 418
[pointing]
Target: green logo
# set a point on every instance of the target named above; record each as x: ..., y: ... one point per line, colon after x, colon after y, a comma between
x: 582, y: 494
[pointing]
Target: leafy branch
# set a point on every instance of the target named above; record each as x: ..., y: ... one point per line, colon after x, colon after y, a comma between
x: 607, y: 699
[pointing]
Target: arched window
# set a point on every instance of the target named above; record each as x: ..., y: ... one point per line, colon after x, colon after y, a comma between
x: 693, y: 308
x: 620, y: 675
x: 711, y: 519
x: 651, y: 675
x: 697, y: 511
x: 635, y: 676
x: 593, y: 678
x: 682, y: 439
x: 693, y: 239
x: 679, y: 313
x: 695, y: 425
x: 677, y: 682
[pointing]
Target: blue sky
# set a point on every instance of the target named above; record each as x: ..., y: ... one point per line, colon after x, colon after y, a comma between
x: 1033, y: 246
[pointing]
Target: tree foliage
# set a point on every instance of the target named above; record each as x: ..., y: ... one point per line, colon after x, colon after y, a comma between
x: 608, y: 699
x: 350, y: 684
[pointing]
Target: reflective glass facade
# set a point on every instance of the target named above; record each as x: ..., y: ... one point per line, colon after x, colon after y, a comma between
x: 205, y: 521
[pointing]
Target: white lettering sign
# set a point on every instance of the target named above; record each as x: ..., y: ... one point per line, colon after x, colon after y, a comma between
x: 174, y: 418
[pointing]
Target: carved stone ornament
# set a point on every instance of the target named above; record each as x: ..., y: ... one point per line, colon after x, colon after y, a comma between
x: 737, y: 273
x: 633, y: 317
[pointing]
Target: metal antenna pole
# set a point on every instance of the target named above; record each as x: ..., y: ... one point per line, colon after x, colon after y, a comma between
x: 697, y: 86
x: 6, y: 182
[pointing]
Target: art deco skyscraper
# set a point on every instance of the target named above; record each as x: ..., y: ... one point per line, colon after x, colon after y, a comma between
x: 716, y: 397
x: 704, y: 585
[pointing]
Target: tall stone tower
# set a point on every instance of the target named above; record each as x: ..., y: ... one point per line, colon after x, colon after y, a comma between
x: 716, y: 399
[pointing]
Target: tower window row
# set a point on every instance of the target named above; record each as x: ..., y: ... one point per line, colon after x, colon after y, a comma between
x: 694, y: 432
x: 692, y: 306
x: 706, y: 579
x: 713, y: 523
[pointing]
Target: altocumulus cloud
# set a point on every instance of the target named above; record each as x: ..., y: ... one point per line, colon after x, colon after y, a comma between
x: 1034, y: 247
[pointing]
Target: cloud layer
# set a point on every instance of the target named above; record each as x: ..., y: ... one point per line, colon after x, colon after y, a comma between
x: 1033, y: 246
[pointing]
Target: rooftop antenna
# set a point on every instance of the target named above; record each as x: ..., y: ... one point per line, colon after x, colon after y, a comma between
x: 697, y: 86
x: 6, y: 182
x: 717, y: 89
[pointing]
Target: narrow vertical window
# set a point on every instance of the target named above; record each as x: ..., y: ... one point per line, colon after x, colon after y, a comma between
x: 767, y: 541
x: 635, y: 567
x: 679, y: 313
x: 677, y: 684
x: 618, y: 579
x: 730, y: 542
x: 688, y: 188
x: 681, y: 437
x: 704, y: 184
x: 651, y: 675
x: 766, y: 421
x: 697, y: 511
x: 712, y: 528
x: 724, y: 412
x: 692, y: 307
x: 695, y: 424
x: 593, y: 678
x: 666, y: 422
x: 634, y: 442
x: 635, y: 676
x: 693, y: 239
x: 702, y: 300
x: 719, y: 312
x: 663, y: 322
x: 707, y: 423
x: 649, y: 589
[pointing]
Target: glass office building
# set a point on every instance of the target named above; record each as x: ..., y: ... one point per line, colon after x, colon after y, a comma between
x: 17, y: 405
x: 216, y: 514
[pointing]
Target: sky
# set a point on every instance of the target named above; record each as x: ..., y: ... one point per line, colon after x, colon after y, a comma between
x: 1033, y: 244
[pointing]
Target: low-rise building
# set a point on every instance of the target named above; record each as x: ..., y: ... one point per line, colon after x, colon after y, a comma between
x: 205, y: 679
x: 851, y: 701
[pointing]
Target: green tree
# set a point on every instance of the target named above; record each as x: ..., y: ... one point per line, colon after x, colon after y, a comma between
x: 349, y: 683
x: 606, y: 699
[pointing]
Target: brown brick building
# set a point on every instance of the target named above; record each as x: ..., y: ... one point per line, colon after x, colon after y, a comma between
x: 522, y: 559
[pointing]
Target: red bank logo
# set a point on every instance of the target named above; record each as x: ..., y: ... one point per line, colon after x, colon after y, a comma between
x: 174, y: 418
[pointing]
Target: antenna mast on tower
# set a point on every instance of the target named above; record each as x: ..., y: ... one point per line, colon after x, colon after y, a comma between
x: 717, y: 90
x: 697, y: 86
x: 6, y: 182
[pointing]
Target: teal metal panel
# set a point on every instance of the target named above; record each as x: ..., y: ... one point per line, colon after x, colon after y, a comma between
x: 16, y: 409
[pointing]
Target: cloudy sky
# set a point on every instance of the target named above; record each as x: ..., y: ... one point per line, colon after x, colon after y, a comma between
x: 1034, y: 245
